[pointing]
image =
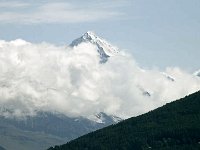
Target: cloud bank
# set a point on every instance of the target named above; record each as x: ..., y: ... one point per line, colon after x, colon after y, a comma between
x: 45, y: 77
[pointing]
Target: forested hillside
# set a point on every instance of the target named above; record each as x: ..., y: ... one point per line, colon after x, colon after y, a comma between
x: 173, y: 126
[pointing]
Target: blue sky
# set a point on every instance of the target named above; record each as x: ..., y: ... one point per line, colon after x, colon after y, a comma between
x: 159, y: 33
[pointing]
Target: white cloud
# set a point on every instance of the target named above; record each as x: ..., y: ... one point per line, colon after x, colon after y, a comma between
x: 44, y: 77
x: 55, y: 12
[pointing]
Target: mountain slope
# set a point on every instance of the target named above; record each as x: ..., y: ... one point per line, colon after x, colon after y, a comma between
x: 1, y: 148
x: 173, y: 126
x: 40, y: 131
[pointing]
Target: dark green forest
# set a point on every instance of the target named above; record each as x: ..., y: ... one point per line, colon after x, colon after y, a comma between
x: 175, y: 126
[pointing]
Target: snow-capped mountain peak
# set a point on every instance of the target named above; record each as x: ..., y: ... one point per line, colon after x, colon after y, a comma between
x: 104, y: 48
x: 89, y: 35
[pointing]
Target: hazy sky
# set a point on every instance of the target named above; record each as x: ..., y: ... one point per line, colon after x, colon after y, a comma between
x: 159, y: 33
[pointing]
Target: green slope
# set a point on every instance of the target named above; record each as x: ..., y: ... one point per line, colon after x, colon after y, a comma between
x: 173, y: 126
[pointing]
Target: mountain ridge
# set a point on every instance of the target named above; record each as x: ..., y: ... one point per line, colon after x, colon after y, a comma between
x: 172, y: 126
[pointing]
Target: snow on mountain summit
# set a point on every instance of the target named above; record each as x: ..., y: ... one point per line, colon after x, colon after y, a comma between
x: 197, y: 73
x: 104, y: 48
x: 103, y: 118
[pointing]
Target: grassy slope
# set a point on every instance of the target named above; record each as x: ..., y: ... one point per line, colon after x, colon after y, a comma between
x: 173, y: 126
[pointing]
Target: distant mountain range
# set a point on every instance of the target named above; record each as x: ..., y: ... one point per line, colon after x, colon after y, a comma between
x: 46, y: 128
x: 173, y: 126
